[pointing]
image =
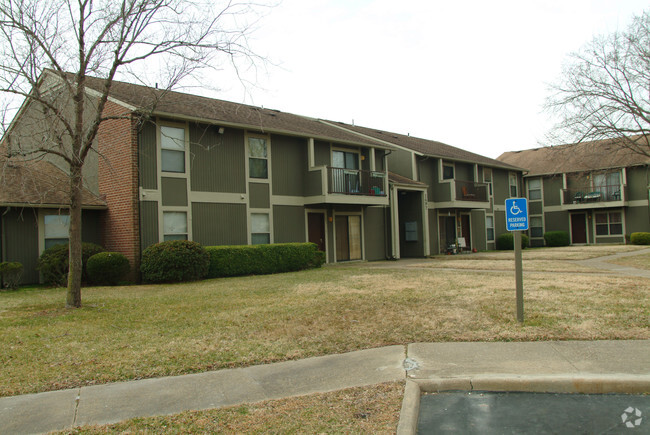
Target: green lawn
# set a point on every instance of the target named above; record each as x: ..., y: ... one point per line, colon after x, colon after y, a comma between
x: 145, y: 331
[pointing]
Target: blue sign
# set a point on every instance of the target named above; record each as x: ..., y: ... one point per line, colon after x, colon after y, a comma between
x: 517, y: 214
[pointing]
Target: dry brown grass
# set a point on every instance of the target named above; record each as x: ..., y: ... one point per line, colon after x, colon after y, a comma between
x: 149, y: 331
x: 357, y: 410
x: 641, y: 261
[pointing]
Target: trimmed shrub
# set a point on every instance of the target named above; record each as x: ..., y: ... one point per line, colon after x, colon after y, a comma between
x: 506, y: 241
x: 53, y: 262
x: 11, y: 273
x: 640, y: 238
x: 557, y: 238
x: 174, y: 261
x: 107, y: 268
x: 263, y: 259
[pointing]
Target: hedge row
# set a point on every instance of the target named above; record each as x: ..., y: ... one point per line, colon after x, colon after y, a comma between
x: 10, y: 274
x: 557, y: 238
x: 263, y: 259
x: 53, y: 263
x: 181, y: 260
x: 506, y: 241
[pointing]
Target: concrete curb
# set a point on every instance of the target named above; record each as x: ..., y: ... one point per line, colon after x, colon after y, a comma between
x: 586, y: 384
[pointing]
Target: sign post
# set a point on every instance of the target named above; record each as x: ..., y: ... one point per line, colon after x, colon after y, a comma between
x: 517, y: 221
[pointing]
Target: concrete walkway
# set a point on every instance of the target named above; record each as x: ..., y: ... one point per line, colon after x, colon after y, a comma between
x: 602, y: 263
x: 573, y: 366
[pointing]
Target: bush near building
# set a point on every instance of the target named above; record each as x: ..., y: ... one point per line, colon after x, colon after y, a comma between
x: 556, y: 238
x: 107, y: 268
x: 53, y: 262
x: 174, y: 261
x: 640, y: 238
x: 10, y: 274
x: 506, y: 241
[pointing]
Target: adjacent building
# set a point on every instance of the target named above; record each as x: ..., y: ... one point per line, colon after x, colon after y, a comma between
x: 178, y: 166
x: 596, y: 191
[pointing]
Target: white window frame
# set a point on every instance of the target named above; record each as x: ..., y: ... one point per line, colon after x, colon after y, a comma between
x: 442, y: 171
x: 609, y: 223
x: 186, y: 233
x: 265, y: 212
x: 488, y: 182
x: 511, y: 185
x: 528, y: 181
x: 184, y: 150
x: 487, y: 227
x: 541, y: 218
x: 267, y: 141
x: 41, y: 226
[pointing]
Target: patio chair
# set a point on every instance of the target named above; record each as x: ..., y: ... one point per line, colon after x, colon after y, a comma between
x: 578, y: 197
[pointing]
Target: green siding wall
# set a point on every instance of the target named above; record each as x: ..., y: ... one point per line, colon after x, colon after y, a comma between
x: 365, y: 159
x: 215, y: 224
x: 259, y: 195
x: 556, y: 221
x: 500, y: 187
x: 288, y: 224
x: 534, y: 207
x: 379, y: 160
x: 314, y: 184
x: 290, y: 164
x: 321, y: 153
x: 148, y: 223
x: 552, y: 190
x: 147, y: 156
x: 375, y: 225
x: 479, y: 240
x: 499, y: 224
x: 174, y: 191
x: 638, y: 180
x: 410, y: 210
x: 637, y: 219
x: 217, y: 161
x: 434, y: 236
x: 464, y: 171
x: 20, y: 241
x: 400, y: 162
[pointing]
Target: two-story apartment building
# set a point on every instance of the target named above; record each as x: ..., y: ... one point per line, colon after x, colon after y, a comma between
x: 596, y: 191
x: 172, y: 165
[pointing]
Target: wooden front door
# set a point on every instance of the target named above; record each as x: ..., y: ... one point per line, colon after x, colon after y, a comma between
x: 348, y: 237
x: 578, y: 228
x: 316, y: 229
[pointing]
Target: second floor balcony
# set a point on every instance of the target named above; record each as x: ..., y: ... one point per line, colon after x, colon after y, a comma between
x: 356, y: 182
x: 586, y: 195
x: 471, y: 191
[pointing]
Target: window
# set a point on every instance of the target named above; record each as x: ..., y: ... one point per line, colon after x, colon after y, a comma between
x: 534, y: 189
x: 489, y: 225
x: 172, y: 144
x: 536, y: 226
x: 260, y: 229
x: 56, y: 229
x: 487, y: 177
x: 175, y: 225
x: 258, y: 164
x: 447, y: 171
x: 345, y: 160
x: 513, y: 184
x: 609, y: 185
x: 608, y: 224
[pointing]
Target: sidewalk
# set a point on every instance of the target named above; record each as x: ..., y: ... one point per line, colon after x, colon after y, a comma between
x: 622, y: 366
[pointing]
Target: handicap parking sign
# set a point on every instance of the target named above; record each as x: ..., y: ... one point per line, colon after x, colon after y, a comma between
x: 517, y: 214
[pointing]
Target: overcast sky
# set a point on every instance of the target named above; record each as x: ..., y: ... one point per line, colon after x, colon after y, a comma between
x: 470, y: 73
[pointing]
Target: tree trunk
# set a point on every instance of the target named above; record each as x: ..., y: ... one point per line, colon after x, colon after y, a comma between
x: 75, y: 270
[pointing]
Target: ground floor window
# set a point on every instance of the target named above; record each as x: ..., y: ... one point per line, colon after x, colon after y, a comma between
x: 57, y: 227
x: 174, y: 225
x: 489, y: 227
x: 536, y: 226
x: 608, y: 224
x: 260, y: 229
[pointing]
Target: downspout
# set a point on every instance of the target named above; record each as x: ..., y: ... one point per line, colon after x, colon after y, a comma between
x: 387, y: 233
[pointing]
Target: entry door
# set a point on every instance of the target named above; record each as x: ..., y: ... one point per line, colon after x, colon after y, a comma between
x: 348, y: 238
x: 465, y: 230
x: 316, y: 229
x: 578, y: 228
x: 447, y: 232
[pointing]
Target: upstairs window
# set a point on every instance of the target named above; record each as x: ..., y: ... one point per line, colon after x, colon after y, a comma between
x: 447, y: 171
x: 534, y: 189
x: 172, y: 144
x: 487, y: 178
x: 345, y: 160
x: 513, y: 184
x: 258, y: 160
x: 56, y: 231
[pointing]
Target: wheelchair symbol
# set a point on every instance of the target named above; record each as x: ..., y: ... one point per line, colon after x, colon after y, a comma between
x: 514, y: 210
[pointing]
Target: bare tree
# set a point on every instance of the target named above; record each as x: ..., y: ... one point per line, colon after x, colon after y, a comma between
x: 49, y: 49
x: 604, y: 91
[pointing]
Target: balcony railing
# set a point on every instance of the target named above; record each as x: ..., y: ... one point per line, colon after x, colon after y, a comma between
x: 588, y: 194
x: 471, y: 191
x: 356, y: 182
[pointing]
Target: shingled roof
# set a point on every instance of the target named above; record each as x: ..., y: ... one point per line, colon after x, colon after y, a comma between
x: 38, y: 184
x: 226, y: 113
x: 426, y: 147
x: 581, y: 157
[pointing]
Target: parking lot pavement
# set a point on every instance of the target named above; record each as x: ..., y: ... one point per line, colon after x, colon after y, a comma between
x: 477, y: 412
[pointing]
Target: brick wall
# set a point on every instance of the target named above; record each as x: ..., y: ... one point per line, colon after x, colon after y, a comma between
x: 118, y: 183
